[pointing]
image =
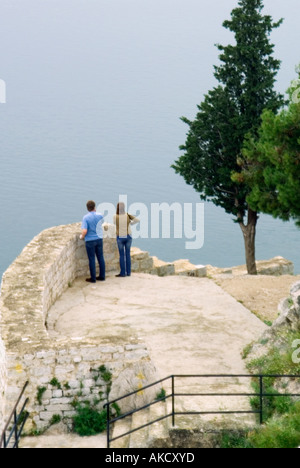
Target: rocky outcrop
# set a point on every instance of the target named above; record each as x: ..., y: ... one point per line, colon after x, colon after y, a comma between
x: 289, y: 310
x: 287, y: 322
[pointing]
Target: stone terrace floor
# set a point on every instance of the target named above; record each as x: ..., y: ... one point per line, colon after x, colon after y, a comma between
x: 190, y: 325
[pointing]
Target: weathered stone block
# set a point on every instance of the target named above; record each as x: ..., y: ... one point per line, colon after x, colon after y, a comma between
x: 59, y: 408
x: 88, y: 383
x: 60, y: 401
x: 136, y: 355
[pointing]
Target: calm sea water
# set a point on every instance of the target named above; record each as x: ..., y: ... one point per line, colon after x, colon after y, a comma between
x: 95, y: 90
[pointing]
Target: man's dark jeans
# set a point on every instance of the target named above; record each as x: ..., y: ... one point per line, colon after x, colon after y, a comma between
x: 95, y: 249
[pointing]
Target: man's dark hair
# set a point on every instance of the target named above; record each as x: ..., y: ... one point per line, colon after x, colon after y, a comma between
x: 91, y: 205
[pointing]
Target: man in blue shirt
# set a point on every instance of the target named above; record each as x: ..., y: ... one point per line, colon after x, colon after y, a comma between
x: 92, y: 233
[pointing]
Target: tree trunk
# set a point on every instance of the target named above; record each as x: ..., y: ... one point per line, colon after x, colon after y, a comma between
x: 249, y: 233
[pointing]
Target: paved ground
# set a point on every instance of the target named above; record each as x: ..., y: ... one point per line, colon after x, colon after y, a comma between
x: 56, y: 437
x: 190, y: 326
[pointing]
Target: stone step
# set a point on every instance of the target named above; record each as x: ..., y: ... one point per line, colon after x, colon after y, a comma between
x: 185, y: 268
x: 139, y: 439
x: 122, y: 427
x: 160, y: 429
x: 161, y: 268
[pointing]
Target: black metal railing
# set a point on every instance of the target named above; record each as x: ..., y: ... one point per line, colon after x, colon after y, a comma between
x: 261, y: 395
x: 12, y: 434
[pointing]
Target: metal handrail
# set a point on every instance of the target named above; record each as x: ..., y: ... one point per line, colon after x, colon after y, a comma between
x: 173, y: 395
x: 15, y: 431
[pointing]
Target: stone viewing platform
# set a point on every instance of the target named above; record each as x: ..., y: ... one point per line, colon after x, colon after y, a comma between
x: 167, y: 318
x: 47, y: 268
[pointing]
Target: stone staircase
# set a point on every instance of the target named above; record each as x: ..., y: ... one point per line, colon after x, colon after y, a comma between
x: 147, y: 435
x: 161, y: 433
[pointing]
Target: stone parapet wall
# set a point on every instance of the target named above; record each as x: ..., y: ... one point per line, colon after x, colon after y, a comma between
x: 3, y: 381
x: 77, y: 377
x: 31, y: 285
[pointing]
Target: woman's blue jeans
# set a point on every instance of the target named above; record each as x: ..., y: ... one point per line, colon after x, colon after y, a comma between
x: 95, y: 249
x: 124, y: 244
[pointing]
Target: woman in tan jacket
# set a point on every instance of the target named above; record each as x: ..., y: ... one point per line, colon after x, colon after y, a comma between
x: 123, y: 221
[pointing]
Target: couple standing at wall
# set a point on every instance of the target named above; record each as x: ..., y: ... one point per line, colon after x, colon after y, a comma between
x: 92, y: 233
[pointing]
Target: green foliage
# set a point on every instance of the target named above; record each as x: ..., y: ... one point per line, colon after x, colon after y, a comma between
x: 235, y: 440
x: 161, y: 396
x: 271, y: 404
x: 55, y: 419
x: 75, y: 403
x: 247, y: 350
x: 229, y: 112
x: 105, y: 374
x: 271, y: 166
x: 88, y: 421
x: 269, y: 323
x: 281, y: 416
x: 40, y: 394
x: 280, y: 431
x: 212, y: 157
x: 117, y: 410
x: 67, y: 386
x: 55, y: 383
x: 278, y: 361
x: 275, y: 362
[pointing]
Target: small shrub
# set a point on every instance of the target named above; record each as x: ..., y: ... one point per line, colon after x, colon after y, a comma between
x: 55, y: 419
x: 74, y: 403
x: 40, y: 394
x: 235, y: 440
x: 247, y: 350
x: 55, y: 383
x: 105, y: 374
x: 161, y: 396
x: 88, y: 421
x: 280, y: 431
x: 268, y: 322
x: 117, y: 410
x: 271, y: 404
x: 264, y: 341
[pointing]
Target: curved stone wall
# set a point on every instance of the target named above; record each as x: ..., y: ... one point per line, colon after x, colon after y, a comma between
x: 44, y: 270
x: 31, y: 285
x: 3, y: 380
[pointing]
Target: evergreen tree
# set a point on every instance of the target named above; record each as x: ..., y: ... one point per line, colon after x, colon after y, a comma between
x: 229, y: 112
x: 272, y: 163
